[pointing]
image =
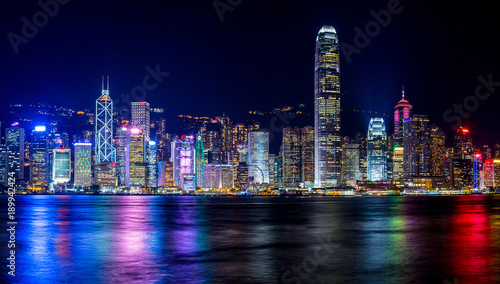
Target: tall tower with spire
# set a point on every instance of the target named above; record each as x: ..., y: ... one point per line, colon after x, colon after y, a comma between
x: 105, y: 152
x: 402, y: 111
x: 327, y: 139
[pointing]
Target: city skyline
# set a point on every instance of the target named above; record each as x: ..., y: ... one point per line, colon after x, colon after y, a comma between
x: 233, y: 141
x: 371, y: 81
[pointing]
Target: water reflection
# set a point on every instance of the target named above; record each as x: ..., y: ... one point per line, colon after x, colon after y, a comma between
x: 187, y: 239
x: 470, y: 245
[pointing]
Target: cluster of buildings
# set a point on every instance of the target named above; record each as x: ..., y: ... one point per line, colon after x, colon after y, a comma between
x: 122, y: 153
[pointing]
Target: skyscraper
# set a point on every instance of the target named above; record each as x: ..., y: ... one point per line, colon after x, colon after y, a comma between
x: 402, y: 112
x: 105, y: 152
x: 350, y: 164
x: 183, y: 158
x: 327, y: 141
x: 61, y: 167
x: 463, y: 159
x: 39, y: 164
x: 377, y: 147
x: 476, y: 165
x: 141, y: 118
x: 307, y: 156
x: 258, y: 156
x: 437, y: 151
x: 122, y: 143
x: 200, y: 160
x: 492, y: 172
x: 14, y: 139
x: 363, y: 151
x: 151, y: 178
x: 83, y: 164
x: 4, y: 166
x: 137, y: 158
x: 291, y: 156
x: 225, y: 141
x: 417, y: 154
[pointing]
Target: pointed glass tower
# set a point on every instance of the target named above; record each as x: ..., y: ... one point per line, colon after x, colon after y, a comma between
x: 327, y: 139
x: 105, y: 152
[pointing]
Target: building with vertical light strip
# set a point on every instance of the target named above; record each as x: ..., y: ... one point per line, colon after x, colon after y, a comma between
x: 327, y: 145
x: 200, y: 160
x: 39, y: 164
x: 141, y: 118
x: 476, y: 166
x: 83, y: 164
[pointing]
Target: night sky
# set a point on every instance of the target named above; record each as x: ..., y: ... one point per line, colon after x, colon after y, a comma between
x: 259, y: 57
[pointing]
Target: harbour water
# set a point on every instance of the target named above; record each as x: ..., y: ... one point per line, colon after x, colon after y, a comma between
x: 200, y: 239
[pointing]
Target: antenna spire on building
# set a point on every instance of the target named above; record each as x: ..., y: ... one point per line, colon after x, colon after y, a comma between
x: 403, y: 92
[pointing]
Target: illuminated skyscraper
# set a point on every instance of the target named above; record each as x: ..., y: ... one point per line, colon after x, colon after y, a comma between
x: 350, y: 164
x: 327, y: 145
x: 476, y: 165
x: 307, y: 155
x: 463, y: 172
x: 122, y: 142
x: 363, y: 161
x: 141, y: 118
x: 491, y: 170
x: 39, y: 164
x: 4, y: 166
x: 417, y: 154
x: 14, y: 139
x: 184, y: 165
x: 272, y: 174
x: 105, y: 152
x: 226, y: 139
x: 258, y: 156
x: 291, y: 156
x: 402, y: 112
x: 61, y: 167
x: 151, y: 179
x: 200, y: 160
x: 437, y: 151
x: 397, y: 162
x: 82, y: 164
x: 377, y: 147
x: 137, y: 160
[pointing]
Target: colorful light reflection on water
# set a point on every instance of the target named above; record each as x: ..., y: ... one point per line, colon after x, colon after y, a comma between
x: 156, y: 239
